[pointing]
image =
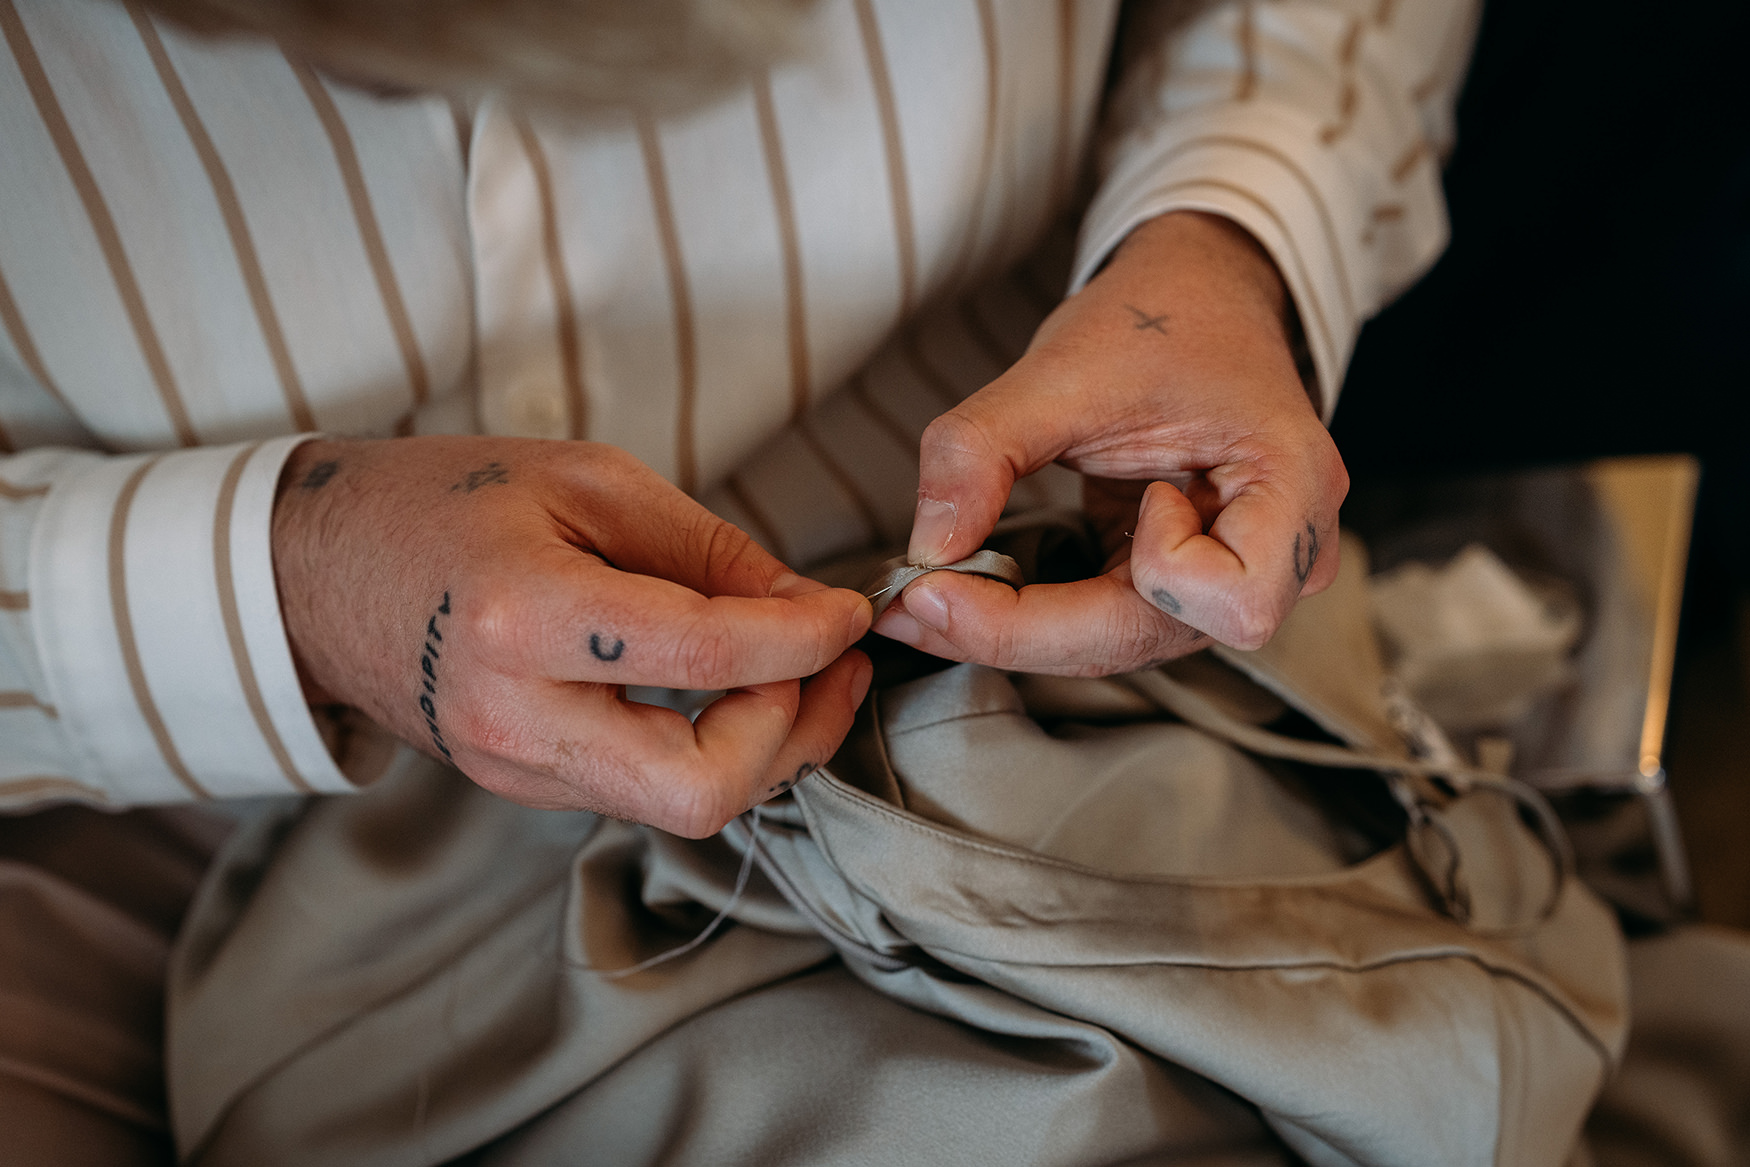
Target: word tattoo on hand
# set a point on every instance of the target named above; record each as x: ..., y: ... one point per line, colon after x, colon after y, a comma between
x: 1303, y: 564
x: 487, y: 475
x: 319, y: 475
x: 1166, y: 601
x: 428, y: 677
x: 598, y: 650
x: 1144, y: 321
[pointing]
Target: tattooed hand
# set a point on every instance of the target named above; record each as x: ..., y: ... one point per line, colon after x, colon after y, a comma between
x: 489, y: 599
x: 1169, y: 383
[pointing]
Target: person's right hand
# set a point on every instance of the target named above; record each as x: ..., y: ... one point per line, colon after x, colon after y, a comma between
x: 488, y: 600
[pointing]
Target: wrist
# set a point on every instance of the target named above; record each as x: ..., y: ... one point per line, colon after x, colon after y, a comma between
x: 1212, y: 257
x: 299, y: 502
x: 1213, y: 250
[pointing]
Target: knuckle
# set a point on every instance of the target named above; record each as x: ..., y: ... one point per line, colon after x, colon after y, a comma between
x: 1001, y: 647
x: 486, y: 730
x: 1339, y: 477
x: 612, y: 462
x: 706, y: 656
x: 1136, y: 641
x: 493, y: 621
x: 698, y: 808
x: 725, y: 546
x: 1250, y: 625
x: 727, y: 554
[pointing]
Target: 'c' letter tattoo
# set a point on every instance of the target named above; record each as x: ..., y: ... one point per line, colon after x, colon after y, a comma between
x: 597, y: 650
x: 1166, y: 601
x: 1144, y: 321
x: 428, y: 678
x: 1303, y: 565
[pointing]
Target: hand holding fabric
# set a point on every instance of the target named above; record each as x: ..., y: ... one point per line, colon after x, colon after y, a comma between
x: 1169, y: 383
x: 489, y: 599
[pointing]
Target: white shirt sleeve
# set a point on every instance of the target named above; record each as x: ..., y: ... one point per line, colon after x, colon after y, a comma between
x: 142, y: 655
x: 1317, y: 125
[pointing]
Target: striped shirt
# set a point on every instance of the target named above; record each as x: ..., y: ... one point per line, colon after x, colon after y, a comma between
x: 207, y: 250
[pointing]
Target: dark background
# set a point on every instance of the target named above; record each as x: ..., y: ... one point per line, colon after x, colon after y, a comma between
x: 1595, y: 300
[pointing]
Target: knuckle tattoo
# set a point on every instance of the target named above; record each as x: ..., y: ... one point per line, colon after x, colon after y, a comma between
x: 1305, y: 554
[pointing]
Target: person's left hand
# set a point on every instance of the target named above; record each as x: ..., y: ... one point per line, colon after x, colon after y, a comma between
x: 1167, y: 381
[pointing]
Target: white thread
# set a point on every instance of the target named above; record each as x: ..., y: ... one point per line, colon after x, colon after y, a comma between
x: 741, y: 878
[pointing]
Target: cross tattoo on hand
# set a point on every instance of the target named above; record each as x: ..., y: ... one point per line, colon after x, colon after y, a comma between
x: 1145, y: 321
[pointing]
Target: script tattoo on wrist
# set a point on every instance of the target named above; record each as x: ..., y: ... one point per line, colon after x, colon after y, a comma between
x: 598, y: 648
x: 490, y: 474
x: 1303, y: 562
x: 1147, y: 322
x: 428, y: 659
x: 319, y: 475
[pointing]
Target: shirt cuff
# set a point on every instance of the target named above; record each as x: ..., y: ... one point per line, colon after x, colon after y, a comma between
x: 159, y: 624
x: 1262, y: 166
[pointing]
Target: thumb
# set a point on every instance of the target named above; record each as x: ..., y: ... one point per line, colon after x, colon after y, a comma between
x: 968, y: 462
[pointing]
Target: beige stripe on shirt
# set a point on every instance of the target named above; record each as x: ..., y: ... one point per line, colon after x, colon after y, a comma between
x: 893, y: 146
x: 987, y: 151
x: 1248, y: 43
x: 122, y: 613
x: 103, y: 226
x: 370, y: 232
x: 1063, y: 133
x: 1349, y: 93
x: 222, y: 574
x: 784, y: 205
x: 686, y: 341
x: 236, y: 225
x: 45, y: 786
x: 21, y: 699
x: 565, y: 322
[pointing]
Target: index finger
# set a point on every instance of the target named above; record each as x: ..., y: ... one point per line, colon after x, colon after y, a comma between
x: 1091, y: 627
x: 589, y: 621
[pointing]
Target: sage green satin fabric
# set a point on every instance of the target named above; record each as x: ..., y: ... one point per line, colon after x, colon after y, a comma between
x: 983, y: 934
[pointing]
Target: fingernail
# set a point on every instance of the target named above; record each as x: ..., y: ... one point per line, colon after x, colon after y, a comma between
x: 862, y: 616
x: 897, y: 625
x: 860, y: 681
x: 932, y: 529
x: 1142, y: 508
x: 927, y: 606
x: 790, y: 585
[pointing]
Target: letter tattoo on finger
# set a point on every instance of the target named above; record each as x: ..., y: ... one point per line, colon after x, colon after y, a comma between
x: 598, y: 648
x: 1306, y: 555
x: 1166, y: 601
